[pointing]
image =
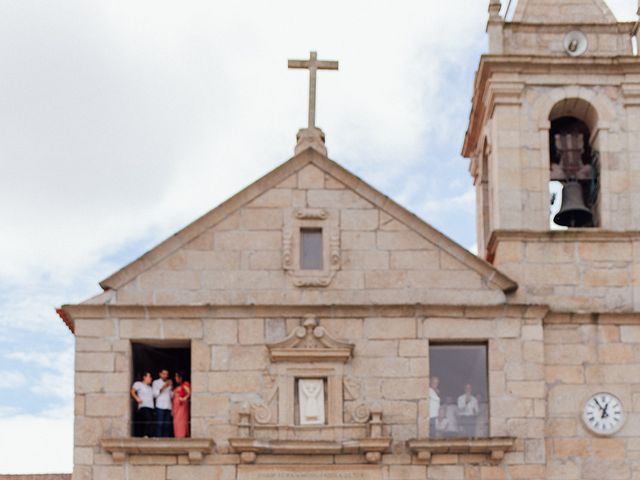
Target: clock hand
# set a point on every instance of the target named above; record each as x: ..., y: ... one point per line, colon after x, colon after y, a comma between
x: 604, y: 411
x: 598, y: 404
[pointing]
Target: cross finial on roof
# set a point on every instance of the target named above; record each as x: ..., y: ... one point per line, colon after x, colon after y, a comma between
x: 313, y: 65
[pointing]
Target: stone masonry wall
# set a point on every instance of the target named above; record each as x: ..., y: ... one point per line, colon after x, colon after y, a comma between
x: 240, y: 260
x: 230, y: 366
x: 583, y: 357
x: 518, y: 140
x: 534, y: 39
x: 579, y: 271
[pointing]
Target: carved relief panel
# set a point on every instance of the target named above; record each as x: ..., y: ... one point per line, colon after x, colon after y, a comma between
x: 311, y: 401
x: 311, y: 394
x: 311, y: 406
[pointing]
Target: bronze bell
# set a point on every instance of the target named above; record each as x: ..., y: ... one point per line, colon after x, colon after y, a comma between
x: 573, y: 212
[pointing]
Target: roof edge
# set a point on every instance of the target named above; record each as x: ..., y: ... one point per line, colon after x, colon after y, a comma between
x: 66, y: 318
x: 208, y: 220
x: 488, y: 272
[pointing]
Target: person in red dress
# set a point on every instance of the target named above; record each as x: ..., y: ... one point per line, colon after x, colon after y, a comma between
x: 180, y: 406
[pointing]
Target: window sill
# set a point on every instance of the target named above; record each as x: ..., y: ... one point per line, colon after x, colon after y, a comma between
x: 194, y: 448
x: 249, y: 448
x: 494, y: 447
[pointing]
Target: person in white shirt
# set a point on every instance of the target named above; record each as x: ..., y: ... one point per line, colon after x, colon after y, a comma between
x: 434, y: 404
x: 442, y: 423
x: 142, y: 393
x: 468, y: 411
x: 451, y: 411
x: 162, y: 392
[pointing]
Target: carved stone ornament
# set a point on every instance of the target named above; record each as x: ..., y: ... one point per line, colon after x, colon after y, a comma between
x: 361, y: 413
x: 310, y: 343
x: 311, y: 214
x: 311, y: 401
x: 372, y: 445
x: 351, y: 388
x: 262, y: 410
x: 317, y: 218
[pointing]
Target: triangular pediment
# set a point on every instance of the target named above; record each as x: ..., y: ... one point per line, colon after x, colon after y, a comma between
x: 310, y: 342
x: 241, y: 252
x: 563, y: 12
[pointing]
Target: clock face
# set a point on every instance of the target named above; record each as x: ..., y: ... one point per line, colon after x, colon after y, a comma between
x: 603, y: 414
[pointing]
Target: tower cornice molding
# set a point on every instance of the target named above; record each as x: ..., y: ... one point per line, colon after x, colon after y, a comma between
x: 523, y: 66
x: 619, y: 27
x: 631, y: 93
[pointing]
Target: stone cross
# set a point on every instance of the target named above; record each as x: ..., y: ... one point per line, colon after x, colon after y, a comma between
x: 313, y: 65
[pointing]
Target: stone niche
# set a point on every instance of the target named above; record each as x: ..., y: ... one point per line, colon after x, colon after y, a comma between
x: 303, y: 412
x: 325, y: 221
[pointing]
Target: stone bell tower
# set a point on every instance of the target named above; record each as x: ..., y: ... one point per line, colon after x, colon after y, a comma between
x: 557, y: 105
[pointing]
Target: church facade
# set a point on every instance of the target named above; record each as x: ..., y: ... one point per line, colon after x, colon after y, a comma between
x: 327, y: 333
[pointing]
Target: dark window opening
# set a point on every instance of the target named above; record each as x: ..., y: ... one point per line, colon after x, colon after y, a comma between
x: 458, y: 391
x: 161, y: 389
x: 574, y: 174
x: 311, y: 249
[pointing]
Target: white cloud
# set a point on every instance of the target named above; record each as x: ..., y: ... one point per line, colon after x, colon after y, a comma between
x: 36, y: 444
x: 51, y: 373
x: 441, y: 207
x: 157, y: 117
x: 12, y: 380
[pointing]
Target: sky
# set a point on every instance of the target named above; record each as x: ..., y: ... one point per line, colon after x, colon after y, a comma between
x: 123, y: 121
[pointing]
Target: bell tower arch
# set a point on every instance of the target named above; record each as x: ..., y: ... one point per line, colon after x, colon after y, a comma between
x: 556, y: 109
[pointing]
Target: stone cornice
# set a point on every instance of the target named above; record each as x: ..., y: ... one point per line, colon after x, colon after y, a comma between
x: 494, y: 447
x: 571, y: 235
x: 532, y: 64
x: 567, y: 318
x: 249, y: 448
x: 631, y: 94
x: 88, y: 312
x: 99, y: 312
x: 618, y: 27
x: 194, y: 448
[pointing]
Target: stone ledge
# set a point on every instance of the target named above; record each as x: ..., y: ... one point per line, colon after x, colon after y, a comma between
x: 570, y: 235
x: 494, y: 447
x: 194, y: 448
x: 249, y: 448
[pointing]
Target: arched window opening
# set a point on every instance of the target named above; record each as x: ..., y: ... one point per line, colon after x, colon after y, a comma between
x: 574, y: 169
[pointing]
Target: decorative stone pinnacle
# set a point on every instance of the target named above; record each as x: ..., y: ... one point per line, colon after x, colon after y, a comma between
x: 310, y: 137
x: 494, y: 10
